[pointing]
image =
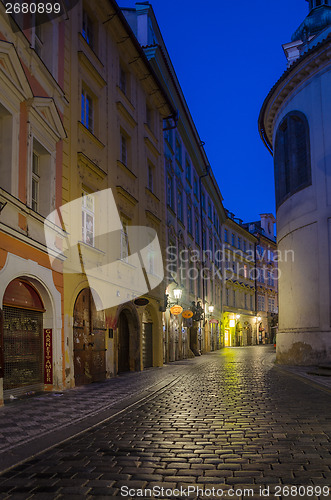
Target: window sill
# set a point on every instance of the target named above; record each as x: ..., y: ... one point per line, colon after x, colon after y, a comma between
x: 126, y: 99
x: 90, y: 247
x: 90, y: 134
x: 126, y: 169
x: 91, y: 50
x: 151, y: 194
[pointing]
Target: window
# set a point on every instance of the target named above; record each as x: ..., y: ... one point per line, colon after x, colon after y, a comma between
x: 245, y: 298
x: 227, y: 296
x: 178, y: 151
x: 197, y: 231
x: 203, y: 201
x: 170, y: 194
x: 38, y: 43
x: 88, y: 218
x: 233, y: 241
x: 180, y: 205
x: 226, y: 235
x: 124, y: 240
x: 87, y: 30
x: 149, y: 117
x: 245, y: 271
x: 251, y: 302
x: 198, y: 282
x: 123, y: 80
x: 239, y: 243
x: 261, y: 275
x: 204, y: 239
x: 292, y: 156
x: 189, y: 219
x: 168, y: 133
x: 6, y: 131
x: 150, y: 180
x: 191, y: 277
x: 87, y: 110
x: 35, y: 182
x: 244, y: 245
x: 260, y: 303
x: 234, y: 298
x: 195, y: 187
x: 271, y: 305
x: 124, y: 150
x: 188, y: 170
x: 210, y: 212
x: 271, y: 280
x: 41, y: 196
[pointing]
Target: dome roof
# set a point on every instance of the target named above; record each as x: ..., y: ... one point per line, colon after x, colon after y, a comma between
x: 316, y: 21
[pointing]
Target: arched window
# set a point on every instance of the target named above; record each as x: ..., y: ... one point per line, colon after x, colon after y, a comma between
x: 292, y: 156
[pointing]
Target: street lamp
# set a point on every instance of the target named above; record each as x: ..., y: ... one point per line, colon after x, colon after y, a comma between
x: 211, y: 309
x: 178, y: 293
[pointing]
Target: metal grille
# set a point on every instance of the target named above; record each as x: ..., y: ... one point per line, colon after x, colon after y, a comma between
x: 22, y: 337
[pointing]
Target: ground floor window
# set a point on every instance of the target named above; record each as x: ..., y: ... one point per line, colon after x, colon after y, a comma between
x: 22, y: 336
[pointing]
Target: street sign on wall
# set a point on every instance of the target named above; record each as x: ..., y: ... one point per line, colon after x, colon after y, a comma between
x: 48, y: 356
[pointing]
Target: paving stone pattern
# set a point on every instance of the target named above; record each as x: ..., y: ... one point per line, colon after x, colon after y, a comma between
x: 25, y: 419
x: 231, y: 421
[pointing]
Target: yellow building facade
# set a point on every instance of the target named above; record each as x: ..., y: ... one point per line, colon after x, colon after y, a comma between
x: 113, y: 180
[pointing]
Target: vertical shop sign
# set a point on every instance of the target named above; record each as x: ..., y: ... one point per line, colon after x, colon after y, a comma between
x: 48, y: 356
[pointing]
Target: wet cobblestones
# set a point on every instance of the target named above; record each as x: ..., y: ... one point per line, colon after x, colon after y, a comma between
x: 231, y: 421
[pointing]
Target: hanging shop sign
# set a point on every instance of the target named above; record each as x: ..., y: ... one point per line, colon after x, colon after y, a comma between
x: 175, y: 310
x: 187, y: 314
x: 214, y: 321
x: 48, y: 356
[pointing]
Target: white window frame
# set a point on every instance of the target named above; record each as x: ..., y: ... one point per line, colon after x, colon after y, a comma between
x: 124, y: 250
x: 88, y: 216
x: 35, y: 182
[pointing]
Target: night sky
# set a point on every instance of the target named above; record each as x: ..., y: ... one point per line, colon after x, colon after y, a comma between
x: 227, y: 56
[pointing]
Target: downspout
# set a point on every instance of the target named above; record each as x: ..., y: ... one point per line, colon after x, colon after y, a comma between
x: 202, y: 239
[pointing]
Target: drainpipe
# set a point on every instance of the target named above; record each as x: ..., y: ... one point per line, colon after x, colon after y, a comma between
x: 202, y: 238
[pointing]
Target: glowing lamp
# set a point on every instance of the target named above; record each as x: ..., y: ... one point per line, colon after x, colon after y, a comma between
x: 178, y: 293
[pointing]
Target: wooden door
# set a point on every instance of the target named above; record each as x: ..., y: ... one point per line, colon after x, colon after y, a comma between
x: 123, y: 344
x: 89, y: 340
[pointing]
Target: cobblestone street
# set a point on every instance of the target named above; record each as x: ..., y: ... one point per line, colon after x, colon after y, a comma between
x: 228, y: 420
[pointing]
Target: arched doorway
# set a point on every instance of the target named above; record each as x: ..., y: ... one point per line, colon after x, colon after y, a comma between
x: 123, y: 342
x: 22, y: 341
x: 89, y: 340
x: 147, y: 339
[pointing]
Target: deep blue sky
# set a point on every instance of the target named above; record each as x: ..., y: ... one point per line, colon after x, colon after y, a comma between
x: 227, y: 55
